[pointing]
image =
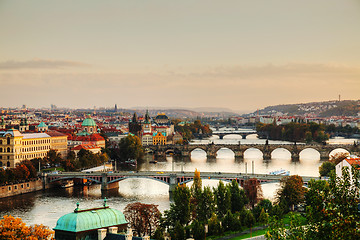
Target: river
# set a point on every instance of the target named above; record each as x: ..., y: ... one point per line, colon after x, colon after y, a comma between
x: 45, y: 207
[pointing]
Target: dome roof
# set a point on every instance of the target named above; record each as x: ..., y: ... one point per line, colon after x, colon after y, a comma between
x: 84, y: 220
x: 13, y: 132
x: 41, y: 125
x: 162, y: 116
x: 88, y: 122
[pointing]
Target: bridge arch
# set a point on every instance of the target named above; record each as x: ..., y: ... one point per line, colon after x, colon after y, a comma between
x: 305, y: 153
x: 157, y: 178
x: 338, y: 150
x: 280, y: 153
x: 225, y: 151
x: 201, y: 151
x: 253, y: 152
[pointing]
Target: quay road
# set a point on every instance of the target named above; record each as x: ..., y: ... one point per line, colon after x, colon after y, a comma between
x: 110, y: 180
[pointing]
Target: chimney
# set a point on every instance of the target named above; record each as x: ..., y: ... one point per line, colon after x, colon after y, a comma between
x: 129, y: 234
x: 101, y: 233
x: 113, y: 230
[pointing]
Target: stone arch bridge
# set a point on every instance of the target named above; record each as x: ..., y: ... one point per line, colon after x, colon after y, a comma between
x: 239, y: 149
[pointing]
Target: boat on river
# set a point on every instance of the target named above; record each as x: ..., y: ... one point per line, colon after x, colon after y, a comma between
x: 281, y: 172
x: 68, y: 183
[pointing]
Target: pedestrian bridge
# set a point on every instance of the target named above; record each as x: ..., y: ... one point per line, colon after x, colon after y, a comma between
x: 110, y: 180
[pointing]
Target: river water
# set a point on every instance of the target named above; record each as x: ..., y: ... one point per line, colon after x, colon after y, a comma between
x: 48, y: 206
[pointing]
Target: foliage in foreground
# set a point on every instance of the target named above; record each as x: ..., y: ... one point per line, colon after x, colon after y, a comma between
x: 15, y: 228
x: 331, y: 211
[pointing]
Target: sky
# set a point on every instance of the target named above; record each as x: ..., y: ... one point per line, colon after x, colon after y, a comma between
x: 235, y: 54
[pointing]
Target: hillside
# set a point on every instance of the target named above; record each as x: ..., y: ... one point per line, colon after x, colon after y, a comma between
x: 320, y: 109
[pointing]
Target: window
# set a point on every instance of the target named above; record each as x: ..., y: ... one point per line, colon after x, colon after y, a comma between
x: 8, y: 163
x: 15, y: 187
x: 9, y: 188
x: 27, y: 185
x: 8, y: 140
x: 0, y: 149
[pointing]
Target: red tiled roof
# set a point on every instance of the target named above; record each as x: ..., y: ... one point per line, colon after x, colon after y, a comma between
x: 53, y: 133
x: 86, y: 147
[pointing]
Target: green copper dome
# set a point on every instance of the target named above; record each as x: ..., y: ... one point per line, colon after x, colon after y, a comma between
x: 88, y: 122
x: 84, y: 220
x: 41, y: 125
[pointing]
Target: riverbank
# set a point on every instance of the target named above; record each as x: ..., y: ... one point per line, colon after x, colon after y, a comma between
x: 21, y: 188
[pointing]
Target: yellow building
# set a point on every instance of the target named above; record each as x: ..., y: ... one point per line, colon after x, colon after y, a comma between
x: 159, y: 138
x: 59, y: 142
x: 16, y: 147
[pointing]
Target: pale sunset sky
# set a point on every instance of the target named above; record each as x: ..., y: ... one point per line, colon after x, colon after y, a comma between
x: 234, y: 54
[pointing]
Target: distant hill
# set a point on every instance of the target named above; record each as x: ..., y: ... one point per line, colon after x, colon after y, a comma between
x: 187, y: 113
x: 320, y: 109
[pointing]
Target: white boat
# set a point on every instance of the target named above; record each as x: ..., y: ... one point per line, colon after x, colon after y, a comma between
x: 280, y: 172
x: 67, y: 184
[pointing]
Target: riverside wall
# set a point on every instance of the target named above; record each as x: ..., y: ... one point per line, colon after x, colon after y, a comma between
x: 21, y: 188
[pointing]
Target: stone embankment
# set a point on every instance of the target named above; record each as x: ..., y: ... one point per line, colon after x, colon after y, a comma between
x: 21, y: 188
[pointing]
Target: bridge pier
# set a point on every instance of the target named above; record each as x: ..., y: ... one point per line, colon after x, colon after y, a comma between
x: 172, y: 184
x: 239, y: 154
x: 105, y: 186
x: 295, y: 156
x: 324, y: 155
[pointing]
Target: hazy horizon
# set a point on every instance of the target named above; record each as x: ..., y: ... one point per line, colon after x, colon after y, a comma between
x: 240, y: 55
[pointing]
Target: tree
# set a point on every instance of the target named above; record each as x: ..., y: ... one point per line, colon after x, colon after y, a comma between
x: 326, y: 168
x: 198, y: 230
x: 144, y: 218
x: 196, y: 192
x: 331, y: 210
x: 253, y: 191
x: 180, y: 209
x: 222, y: 199
x: 179, y: 232
x: 214, y: 225
x: 238, y: 197
x: 263, y: 218
x: 130, y: 148
x: 338, y: 157
x: 291, y: 191
x: 206, y: 205
x: 15, y: 228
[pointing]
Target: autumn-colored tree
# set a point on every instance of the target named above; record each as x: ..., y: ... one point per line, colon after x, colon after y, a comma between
x: 291, y: 191
x: 338, y: 157
x: 253, y: 191
x: 15, y: 228
x: 196, y: 191
x: 144, y: 218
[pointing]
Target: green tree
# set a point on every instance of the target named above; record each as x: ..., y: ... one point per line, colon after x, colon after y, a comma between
x: 198, y: 230
x: 263, y: 218
x: 238, y: 197
x: 326, y: 168
x: 206, y: 205
x: 222, y: 199
x: 130, y: 148
x: 178, y: 232
x: 215, y: 226
x: 180, y: 208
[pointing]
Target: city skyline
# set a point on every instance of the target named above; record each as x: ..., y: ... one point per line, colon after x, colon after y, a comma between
x: 241, y: 55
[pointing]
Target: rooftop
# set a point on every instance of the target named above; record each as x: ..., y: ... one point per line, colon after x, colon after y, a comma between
x: 90, y: 219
